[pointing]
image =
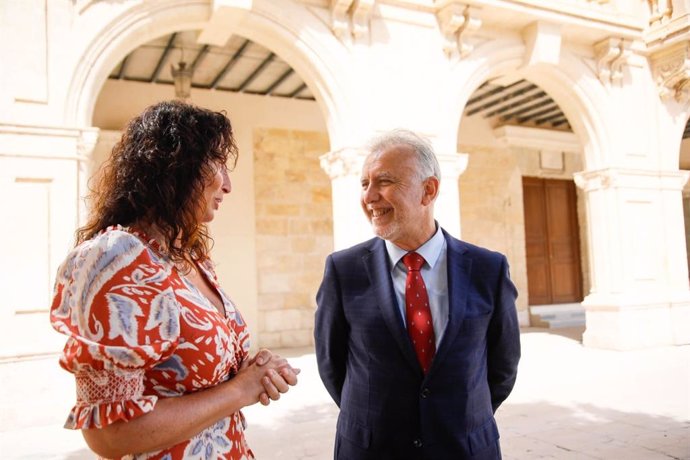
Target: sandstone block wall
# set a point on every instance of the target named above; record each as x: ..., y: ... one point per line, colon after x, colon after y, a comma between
x: 492, y: 211
x: 294, y: 232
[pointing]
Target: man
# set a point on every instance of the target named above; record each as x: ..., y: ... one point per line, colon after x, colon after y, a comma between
x: 417, y: 351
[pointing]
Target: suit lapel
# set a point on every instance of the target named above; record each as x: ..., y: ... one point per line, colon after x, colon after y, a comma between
x: 459, y: 269
x: 376, y: 263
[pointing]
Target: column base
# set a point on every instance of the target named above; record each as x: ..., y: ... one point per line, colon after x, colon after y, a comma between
x: 624, y: 324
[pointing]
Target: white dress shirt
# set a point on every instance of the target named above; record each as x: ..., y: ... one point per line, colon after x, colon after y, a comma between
x: 435, y: 275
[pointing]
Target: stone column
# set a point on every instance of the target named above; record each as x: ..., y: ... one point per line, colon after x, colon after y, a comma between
x: 86, y: 144
x: 640, y: 295
x: 447, y: 208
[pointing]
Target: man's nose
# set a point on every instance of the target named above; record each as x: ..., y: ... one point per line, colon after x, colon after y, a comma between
x: 369, y: 194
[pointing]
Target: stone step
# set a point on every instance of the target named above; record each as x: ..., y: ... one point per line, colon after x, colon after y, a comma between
x: 558, y: 315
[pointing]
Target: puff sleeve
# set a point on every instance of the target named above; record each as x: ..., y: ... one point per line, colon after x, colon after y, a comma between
x: 115, y: 302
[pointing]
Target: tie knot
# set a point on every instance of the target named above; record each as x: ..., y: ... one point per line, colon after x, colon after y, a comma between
x: 413, y: 261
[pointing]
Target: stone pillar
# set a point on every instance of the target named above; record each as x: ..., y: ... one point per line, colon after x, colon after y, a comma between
x: 640, y: 295
x: 447, y: 208
x: 86, y: 144
x: 41, y: 184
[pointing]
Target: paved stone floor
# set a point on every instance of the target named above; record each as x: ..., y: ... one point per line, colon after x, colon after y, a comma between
x: 570, y: 402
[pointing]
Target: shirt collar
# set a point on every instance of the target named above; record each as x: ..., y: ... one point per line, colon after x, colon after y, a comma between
x: 431, y: 250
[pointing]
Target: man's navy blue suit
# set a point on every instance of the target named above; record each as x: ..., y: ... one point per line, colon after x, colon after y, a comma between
x: 389, y: 410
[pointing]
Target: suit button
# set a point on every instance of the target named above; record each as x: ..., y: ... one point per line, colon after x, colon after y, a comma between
x: 425, y: 393
x: 417, y: 443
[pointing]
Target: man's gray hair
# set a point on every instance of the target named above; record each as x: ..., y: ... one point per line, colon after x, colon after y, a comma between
x: 421, y: 146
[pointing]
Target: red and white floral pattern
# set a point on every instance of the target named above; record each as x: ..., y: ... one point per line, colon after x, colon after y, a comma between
x: 138, y: 331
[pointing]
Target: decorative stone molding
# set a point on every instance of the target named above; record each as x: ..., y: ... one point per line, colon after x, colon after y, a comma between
x: 47, y: 142
x: 355, y: 12
x: 87, y: 141
x: 226, y: 15
x: 456, y: 22
x: 601, y: 179
x: 452, y: 165
x: 671, y: 68
x: 343, y: 163
x: 361, y: 17
x: 660, y: 11
x: 611, y: 55
x: 538, y: 138
x: 340, y: 21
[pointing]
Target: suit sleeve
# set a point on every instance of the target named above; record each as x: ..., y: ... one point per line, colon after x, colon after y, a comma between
x: 503, y: 340
x: 330, y: 333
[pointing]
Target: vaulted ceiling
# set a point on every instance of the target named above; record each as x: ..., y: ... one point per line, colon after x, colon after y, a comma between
x: 241, y: 66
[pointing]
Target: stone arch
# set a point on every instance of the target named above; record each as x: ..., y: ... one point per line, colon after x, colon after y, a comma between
x: 307, y: 44
x: 312, y: 56
x: 582, y: 99
x: 672, y: 135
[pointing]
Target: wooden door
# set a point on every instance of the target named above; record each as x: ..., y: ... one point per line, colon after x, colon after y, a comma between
x: 553, y: 249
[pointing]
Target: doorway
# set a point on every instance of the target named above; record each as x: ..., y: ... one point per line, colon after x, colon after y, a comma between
x: 554, y: 273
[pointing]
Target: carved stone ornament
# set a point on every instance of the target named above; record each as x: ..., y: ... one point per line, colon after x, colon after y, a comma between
x: 361, y: 17
x: 88, y: 138
x: 456, y: 22
x: 660, y: 11
x: 672, y: 71
x: 636, y: 179
x: 611, y: 55
x: 342, y: 163
x: 351, y: 17
x: 593, y: 180
x: 340, y: 21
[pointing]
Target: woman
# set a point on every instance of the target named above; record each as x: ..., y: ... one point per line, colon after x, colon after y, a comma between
x: 158, y: 350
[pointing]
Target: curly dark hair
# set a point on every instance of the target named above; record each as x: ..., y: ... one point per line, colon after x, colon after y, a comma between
x: 156, y: 175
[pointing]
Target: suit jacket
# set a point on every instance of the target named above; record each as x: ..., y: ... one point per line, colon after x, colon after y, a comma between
x: 390, y: 410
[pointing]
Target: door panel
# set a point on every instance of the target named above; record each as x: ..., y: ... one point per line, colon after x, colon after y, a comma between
x: 538, y: 271
x: 552, y: 243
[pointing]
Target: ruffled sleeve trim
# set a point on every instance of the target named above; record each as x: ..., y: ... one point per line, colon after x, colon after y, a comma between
x: 101, y: 415
x: 107, y: 396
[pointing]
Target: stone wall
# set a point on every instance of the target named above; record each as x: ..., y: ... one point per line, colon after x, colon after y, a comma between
x: 492, y: 210
x: 294, y: 232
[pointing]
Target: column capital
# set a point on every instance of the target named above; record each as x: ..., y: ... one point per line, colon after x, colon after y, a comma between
x: 344, y: 162
x: 612, y: 54
x: 452, y: 164
x: 88, y: 138
x: 671, y: 66
x: 611, y: 178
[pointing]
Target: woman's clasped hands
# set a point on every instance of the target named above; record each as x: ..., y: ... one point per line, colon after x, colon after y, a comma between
x: 267, y: 376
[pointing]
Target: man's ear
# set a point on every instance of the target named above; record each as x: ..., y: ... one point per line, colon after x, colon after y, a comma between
x: 431, y: 185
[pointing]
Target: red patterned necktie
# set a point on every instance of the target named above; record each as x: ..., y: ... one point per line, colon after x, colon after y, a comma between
x: 417, y: 311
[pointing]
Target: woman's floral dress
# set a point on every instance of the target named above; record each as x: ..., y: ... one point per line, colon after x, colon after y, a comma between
x: 138, y: 331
